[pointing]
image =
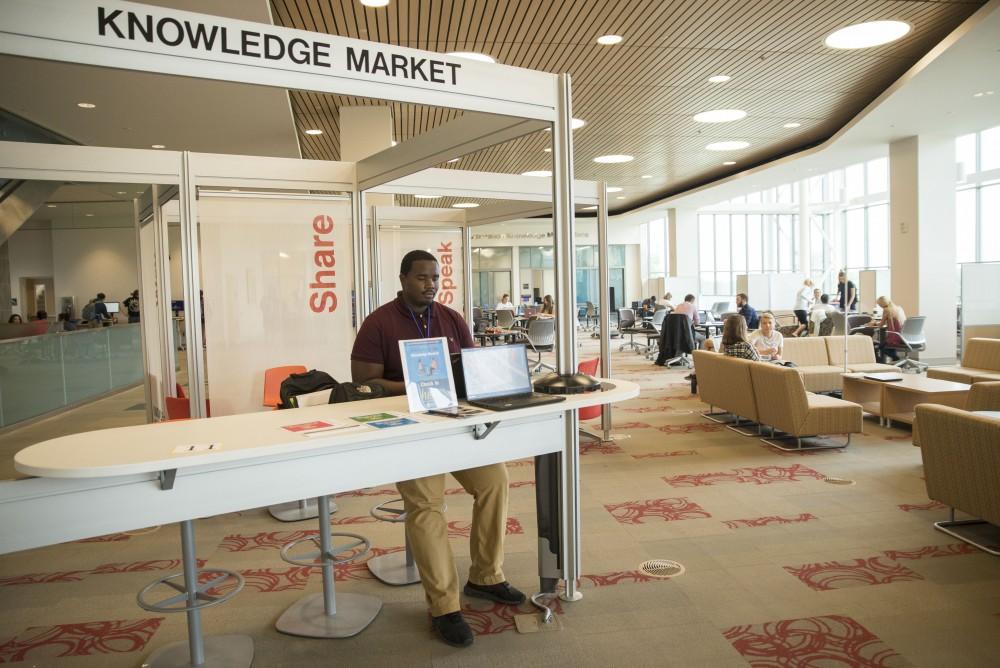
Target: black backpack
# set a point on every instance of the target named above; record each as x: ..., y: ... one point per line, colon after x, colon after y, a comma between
x: 315, y: 381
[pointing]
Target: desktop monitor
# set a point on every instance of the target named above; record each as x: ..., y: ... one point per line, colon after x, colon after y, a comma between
x: 636, y: 304
x: 113, y: 307
x: 495, y: 371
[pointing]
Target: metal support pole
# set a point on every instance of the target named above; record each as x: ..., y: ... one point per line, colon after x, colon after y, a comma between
x: 375, y: 269
x: 326, y: 555
x: 190, y: 254
x: 143, y: 323
x: 565, y: 269
x: 604, y: 303
x: 361, y: 269
x: 162, y: 300
x: 467, y: 271
x: 196, y: 643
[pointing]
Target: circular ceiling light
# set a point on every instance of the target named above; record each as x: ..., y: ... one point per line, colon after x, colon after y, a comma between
x: 86, y: 105
x: 465, y: 205
x: 792, y: 125
x: 589, y: 208
x: 575, y: 124
x: 609, y: 40
x: 427, y: 196
x: 314, y: 131
x: 727, y: 145
x: 729, y: 162
x: 472, y: 55
x: 89, y: 215
x: 864, y: 35
x: 121, y: 192
x: 615, y: 158
x: 719, y: 78
x: 620, y: 197
x: 375, y: 3
x: 453, y: 160
x: 158, y: 146
x: 51, y: 206
x: 614, y: 189
x: 647, y: 176
x: 720, y: 116
x: 544, y: 173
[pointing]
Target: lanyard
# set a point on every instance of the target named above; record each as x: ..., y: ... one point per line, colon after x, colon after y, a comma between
x: 430, y: 315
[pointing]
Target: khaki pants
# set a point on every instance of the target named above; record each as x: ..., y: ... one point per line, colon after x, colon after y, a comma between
x: 423, y: 500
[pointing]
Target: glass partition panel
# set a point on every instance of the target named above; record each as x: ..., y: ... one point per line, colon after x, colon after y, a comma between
x: 125, y: 350
x: 31, y: 378
x: 85, y: 361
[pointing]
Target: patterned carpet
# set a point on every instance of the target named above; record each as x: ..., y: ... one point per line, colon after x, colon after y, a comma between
x: 782, y: 568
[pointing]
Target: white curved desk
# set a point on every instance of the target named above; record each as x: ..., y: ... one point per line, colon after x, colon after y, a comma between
x: 113, y: 480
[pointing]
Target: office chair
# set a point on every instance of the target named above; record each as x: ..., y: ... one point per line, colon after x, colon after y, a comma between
x: 912, y: 340
x: 541, y: 338
x: 505, y: 319
x: 677, y: 341
x: 626, y: 325
x: 653, y: 332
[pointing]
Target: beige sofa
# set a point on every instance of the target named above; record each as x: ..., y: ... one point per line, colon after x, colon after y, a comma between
x: 981, y: 362
x: 961, y: 452
x: 784, y: 404
x: 812, y: 360
x: 724, y: 382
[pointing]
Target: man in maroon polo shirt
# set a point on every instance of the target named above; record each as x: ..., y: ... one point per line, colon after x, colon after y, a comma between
x: 375, y: 360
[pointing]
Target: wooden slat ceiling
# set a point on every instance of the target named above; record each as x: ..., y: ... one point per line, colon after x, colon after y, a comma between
x: 638, y: 97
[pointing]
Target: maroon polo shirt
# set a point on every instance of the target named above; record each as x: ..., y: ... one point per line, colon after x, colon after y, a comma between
x: 380, y: 334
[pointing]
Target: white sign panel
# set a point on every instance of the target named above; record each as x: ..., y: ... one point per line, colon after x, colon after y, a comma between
x: 443, y: 243
x: 278, y: 281
x: 133, y: 36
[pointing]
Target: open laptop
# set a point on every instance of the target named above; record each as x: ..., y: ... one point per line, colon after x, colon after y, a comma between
x: 497, y: 378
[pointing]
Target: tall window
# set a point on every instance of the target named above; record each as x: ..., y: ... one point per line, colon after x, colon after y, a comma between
x: 734, y: 244
x: 588, y: 279
x: 977, y: 201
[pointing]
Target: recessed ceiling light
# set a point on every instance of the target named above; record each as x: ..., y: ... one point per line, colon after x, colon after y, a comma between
x: 719, y: 78
x: 283, y: 255
x: 138, y: 192
x: 393, y: 142
x: 792, y: 125
x: 121, y: 192
x: 978, y: 94
x: 472, y: 55
x: 720, y: 116
x: 158, y: 146
x: 86, y: 105
x: 427, y: 196
x: 864, y: 35
x: 547, y: 150
x: 465, y: 205
x: 647, y: 176
x: 610, y: 159
x: 614, y: 189
x: 727, y: 145
x: 89, y: 215
x: 574, y: 124
x: 608, y: 40
x: 375, y: 3
x: 453, y: 160
x: 51, y: 206
x: 729, y: 162
x: 314, y: 131
x: 538, y: 172
x: 589, y: 208
x: 620, y: 197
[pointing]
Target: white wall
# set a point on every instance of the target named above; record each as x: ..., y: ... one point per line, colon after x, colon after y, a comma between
x: 88, y: 261
x: 30, y: 253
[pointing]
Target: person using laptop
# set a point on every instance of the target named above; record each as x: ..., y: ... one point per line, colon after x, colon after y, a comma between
x: 375, y: 360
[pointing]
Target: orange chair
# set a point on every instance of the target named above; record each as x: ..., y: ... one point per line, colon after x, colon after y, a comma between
x: 589, y: 367
x: 273, y: 378
x: 181, y: 394
x: 180, y: 408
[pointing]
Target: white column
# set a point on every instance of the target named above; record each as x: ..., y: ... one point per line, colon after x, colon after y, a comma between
x: 805, y: 230
x: 922, y: 219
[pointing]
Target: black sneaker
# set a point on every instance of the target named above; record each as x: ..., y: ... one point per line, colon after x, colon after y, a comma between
x: 453, y: 629
x: 501, y: 593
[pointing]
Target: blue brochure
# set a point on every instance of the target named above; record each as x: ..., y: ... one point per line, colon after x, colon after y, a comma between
x: 427, y: 374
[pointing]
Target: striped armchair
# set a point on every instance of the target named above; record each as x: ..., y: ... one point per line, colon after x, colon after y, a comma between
x: 980, y: 363
x: 784, y: 404
x: 961, y: 453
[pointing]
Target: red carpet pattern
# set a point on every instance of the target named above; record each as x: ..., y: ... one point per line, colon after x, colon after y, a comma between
x: 770, y: 519
x: 634, y: 512
x: 39, y: 643
x: 762, y: 475
x: 838, y: 575
x: 832, y: 640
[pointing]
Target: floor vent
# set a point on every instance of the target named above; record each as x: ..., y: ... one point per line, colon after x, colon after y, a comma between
x: 838, y: 481
x: 662, y: 568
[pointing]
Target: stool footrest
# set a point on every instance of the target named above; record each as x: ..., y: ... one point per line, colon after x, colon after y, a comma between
x: 316, y: 559
x: 205, y: 599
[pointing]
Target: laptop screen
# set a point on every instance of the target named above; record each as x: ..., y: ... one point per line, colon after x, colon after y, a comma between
x: 496, y: 371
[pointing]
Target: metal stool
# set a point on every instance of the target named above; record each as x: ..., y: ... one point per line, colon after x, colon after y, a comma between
x: 228, y: 651
x: 395, y: 568
x: 296, y: 511
x: 317, y: 615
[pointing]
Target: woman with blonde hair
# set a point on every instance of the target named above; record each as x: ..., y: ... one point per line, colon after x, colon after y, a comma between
x: 891, y: 324
x: 734, y: 339
x: 768, y: 340
x: 803, y: 300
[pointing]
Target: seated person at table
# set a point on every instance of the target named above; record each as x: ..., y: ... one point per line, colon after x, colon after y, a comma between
x: 666, y: 303
x: 891, y: 325
x: 690, y: 309
x: 819, y: 312
x: 505, y: 303
x: 768, y: 340
x: 548, y: 307
x: 744, y: 309
x: 734, y: 339
x: 15, y: 319
x: 376, y: 360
